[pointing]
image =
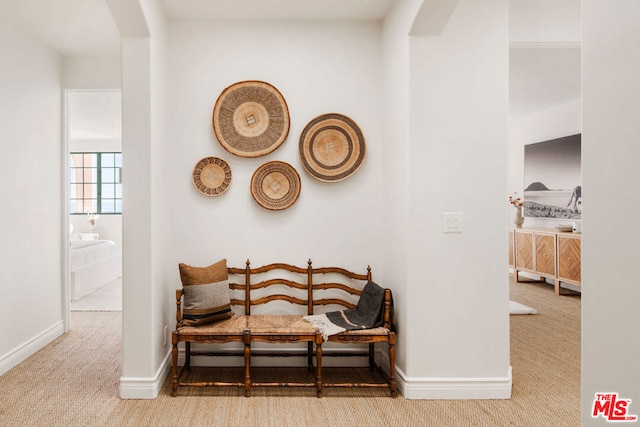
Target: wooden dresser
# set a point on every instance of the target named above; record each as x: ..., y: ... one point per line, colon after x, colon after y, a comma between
x: 546, y: 252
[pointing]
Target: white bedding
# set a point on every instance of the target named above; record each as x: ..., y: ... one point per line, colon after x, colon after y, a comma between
x: 93, y: 264
x: 86, y: 252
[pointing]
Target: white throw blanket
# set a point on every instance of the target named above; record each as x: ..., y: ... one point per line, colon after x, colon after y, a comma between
x: 324, y: 325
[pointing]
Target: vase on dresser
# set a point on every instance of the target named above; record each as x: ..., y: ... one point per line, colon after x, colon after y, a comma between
x: 518, y: 219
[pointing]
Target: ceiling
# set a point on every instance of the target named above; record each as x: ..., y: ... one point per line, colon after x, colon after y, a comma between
x: 70, y: 27
x: 85, y: 27
x: 95, y: 115
x: 539, y: 77
x: 202, y: 10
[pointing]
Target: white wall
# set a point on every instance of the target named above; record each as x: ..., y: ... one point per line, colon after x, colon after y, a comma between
x: 544, y: 22
x: 31, y: 221
x: 137, y: 263
x: 395, y: 149
x: 458, y: 283
x: 92, y: 72
x: 163, y: 296
x: 95, y: 145
x: 319, y: 68
x: 561, y: 120
x: 146, y: 307
x: 611, y: 225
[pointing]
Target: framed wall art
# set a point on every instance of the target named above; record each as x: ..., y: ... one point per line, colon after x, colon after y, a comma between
x: 552, y: 178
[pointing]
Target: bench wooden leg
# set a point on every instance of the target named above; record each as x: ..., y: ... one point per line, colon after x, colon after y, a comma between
x: 319, y: 365
x: 392, y: 364
x: 187, y: 355
x: 246, y: 339
x: 310, y: 355
x: 372, y: 360
x: 174, y: 356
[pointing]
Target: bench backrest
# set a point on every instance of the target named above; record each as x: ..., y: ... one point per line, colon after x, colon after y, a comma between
x: 305, y: 286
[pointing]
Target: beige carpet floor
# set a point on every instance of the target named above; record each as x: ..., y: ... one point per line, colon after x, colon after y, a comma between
x: 74, y: 382
x: 105, y: 298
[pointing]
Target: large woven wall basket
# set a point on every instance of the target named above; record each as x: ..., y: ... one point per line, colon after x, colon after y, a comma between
x: 251, y: 118
x: 275, y: 185
x: 332, y: 147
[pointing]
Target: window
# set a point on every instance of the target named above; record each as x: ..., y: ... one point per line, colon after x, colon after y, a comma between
x: 95, y: 183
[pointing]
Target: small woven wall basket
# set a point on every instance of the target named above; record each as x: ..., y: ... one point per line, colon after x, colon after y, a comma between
x: 212, y: 176
x: 251, y: 118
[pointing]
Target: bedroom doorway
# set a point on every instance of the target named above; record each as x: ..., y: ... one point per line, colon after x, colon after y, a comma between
x: 94, y: 201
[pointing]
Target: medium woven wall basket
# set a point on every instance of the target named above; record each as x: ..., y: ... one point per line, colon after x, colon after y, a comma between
x: 275, y: 185
x: 332, y: 147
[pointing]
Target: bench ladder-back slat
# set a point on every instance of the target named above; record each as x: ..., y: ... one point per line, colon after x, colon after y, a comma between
x: 336, y: 301
x: 278, y: 266
x: 340, y: 286
x: 279, y: 297
x: 285, y: 282
x: 348, y: 289
x: 344, y: 272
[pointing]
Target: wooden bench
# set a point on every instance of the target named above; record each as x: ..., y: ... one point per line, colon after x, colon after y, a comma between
x: 329, y: 287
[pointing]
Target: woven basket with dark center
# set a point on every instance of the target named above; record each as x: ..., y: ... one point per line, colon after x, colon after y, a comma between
x: 332, y: 147
x: 275, y: 185
x: 212, y: 176
x: 251, y: 118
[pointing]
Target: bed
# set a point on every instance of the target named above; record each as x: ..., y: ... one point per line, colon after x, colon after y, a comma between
x: 93, y: 264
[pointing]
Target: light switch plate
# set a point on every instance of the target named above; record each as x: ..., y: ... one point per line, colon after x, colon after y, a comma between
x: 452, y: 222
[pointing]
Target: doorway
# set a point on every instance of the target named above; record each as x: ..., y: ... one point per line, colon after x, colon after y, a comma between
x: 93, y: 151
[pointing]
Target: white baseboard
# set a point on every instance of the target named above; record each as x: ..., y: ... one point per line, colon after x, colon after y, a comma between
x: 446, y: 388
x: 13, y: 358
x: 454, y: 388
x: 146, y: 388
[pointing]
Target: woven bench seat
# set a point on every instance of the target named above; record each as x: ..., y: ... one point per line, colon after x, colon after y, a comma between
x: 291, y: 324
x: 235, y: 325
x: 363, y: 332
